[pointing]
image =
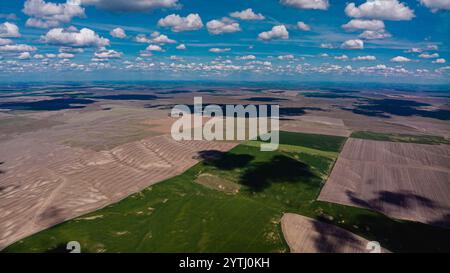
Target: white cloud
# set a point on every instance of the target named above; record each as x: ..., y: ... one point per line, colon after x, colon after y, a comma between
x: 301, y: 25
x: 225, y: 25
x: 38, y: 23
x: 414, y: 50
x: 380, y: 9
x: 277, y: 32
x: 400, y: 59
x: 307, y: 4
x: 329, y: 46
x: 247, y: 57
x: 374, y: 34
x: 365, y: 58
x: 439, y: 61
x: 181, y: 47
x: 161, y: 39
x: 179, y: 24
x: 17, y: 48
x: 247, y: 14
x: 24, y: 56
x: 432, y: 47
x: 131, y: 5
x: 357, y: 24
x: 47, y: 14
x: 154, y: 48
x: 83, y: 38
x: 38, y: 56
x: 118, y: 33
x: 429, y: 56
x: 64, y: 49
x: 64, y: 55
x: 141, y: 38
x: 342, y: 57
x: 9, y: 30
x: 156, y: 38
x: 436, y: 5
x: 286, y: 57
x: 107, y: 54
x: 5, y: 41
x: 219, y: 50
x: 353, y: 44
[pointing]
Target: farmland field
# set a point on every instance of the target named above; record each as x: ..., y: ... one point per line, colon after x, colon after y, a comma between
x: 419, y: 139
x: 180, y: 215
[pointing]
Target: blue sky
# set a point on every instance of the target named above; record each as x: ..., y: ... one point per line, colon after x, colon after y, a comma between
x: 295, y: 40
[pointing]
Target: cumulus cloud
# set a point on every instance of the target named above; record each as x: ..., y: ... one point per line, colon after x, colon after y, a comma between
x: 107, y: 54
x: 131, y: 5
x: 247, y: 57
x: 9, y: 30
x: 285, y: 57
x: 380, y: 9
x: 342, y: 57
x: 64, y: 55
x: 439, y: 61
x: 247, y: 14
x: 24, y: 56
x: 374, y: 34
x: 17, y: 48
x: 301, y: 25
x: 225, y: 25
x: 325, y: 45
x: 307, y: 4
x: 277, y: 32
x: 47, y: 14
x: 365, y: 58
x: 156, y: 38
x: 219, y: 50
x: 161, y: 39
x: 436, y: 5
x: 83, y: 38
x: 400, y: 59
x: 118, y: 33
x: 353, y: 44
x: 178, y: 24
x: 5, y: 41
x: 358, y: 24
x: 154, y: 48
x: 429, y: 56
x: 181, y: 47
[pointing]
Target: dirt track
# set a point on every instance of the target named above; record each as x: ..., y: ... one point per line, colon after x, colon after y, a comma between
x: 403, y: 180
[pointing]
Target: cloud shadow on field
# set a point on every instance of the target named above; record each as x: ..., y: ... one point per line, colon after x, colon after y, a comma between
x: 279, y: 169
x: 332, y: 240
x: 384, y: 107
x: 224, y: 160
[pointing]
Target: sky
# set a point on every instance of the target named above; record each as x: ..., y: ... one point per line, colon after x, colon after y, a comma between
x: 237, y: 40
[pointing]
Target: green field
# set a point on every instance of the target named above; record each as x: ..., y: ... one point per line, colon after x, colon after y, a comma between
x: 180, y: 215
x: 419, y: 139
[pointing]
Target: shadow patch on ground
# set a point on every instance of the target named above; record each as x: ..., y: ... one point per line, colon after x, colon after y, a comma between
x: 283, y: 111
x: 225, y: 161
x: 126, y: 97
x: 398, y: 199
x: 332, y: 244
x: 385, y: 107
x: 279, y: 169
x: 264, y: 99
x: 47, y: 105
